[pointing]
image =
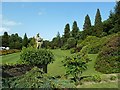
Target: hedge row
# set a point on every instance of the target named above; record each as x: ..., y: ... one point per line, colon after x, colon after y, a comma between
x: 5, y: 52
x: 9, y: 70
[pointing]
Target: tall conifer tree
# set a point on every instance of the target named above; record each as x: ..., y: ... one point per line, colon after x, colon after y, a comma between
x: 75, y: 30
x: 67, y: 31
x: 87, y: 26
x: 98, y: 24
x: 25, y: 40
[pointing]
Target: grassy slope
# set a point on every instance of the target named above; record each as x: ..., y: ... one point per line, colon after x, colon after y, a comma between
x: 57, y: 68
x: 10, y: 58
x: 91, y: 69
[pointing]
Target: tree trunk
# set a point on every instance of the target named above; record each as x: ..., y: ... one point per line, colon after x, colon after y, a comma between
x: 45, y: 68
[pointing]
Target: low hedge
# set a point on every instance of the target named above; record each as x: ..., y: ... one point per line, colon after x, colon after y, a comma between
x: 9, y: 70
x: 5, y: 52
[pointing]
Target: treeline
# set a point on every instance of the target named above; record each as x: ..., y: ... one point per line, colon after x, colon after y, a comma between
x: 71, y: 37
x: 14, y: 41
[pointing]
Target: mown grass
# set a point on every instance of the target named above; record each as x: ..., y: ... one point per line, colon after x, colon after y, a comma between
x: 10, y: 58
x: 90, y: 65
x: 57, y: 68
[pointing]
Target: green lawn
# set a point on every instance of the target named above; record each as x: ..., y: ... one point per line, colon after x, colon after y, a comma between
x: 10, y: 58
x: 57, y: 68
x: 91, y: 70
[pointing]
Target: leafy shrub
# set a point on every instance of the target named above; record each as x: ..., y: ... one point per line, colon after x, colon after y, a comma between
x: 76, y: 64
x: 108, y: 59
x: 5, y: 52
x: 94, y: 44
x: 71, y: 42
x: 72, y: 50
x: 37, y: 57
x: 65, y: 47
x: 84, y: 54
x: 79, y: 47
x: 96, y: 78
x: 113, y: 78
x: 35, y: 79
x: 90, y: 42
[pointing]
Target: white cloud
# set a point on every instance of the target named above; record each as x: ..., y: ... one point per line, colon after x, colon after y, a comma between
x: 10, y: 23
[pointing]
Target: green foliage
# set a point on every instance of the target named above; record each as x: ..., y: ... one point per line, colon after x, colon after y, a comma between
x: 36, y: 56
x: 15, y: 41
x: 98, y: 29
x: 36, y: 79
x: 75, y: 65
x: 25, y: 41
x: 46, y: 44
x: 71, y: 42
x: 56, y: 42
x: 107, y: 25
x: 66, y: 32
x: 96, y: 78
x: 65, y: 47
x: 87, y: 26
x: 5, y: 40
x: 94, y: 44
x: 113, y: 77
x: 113, y: 25
x: 73, y: 50
x: 108, y: 58
x: 93, y: 78
x: 75, y: 30
x: 32, y: 42
x: 87, y: 23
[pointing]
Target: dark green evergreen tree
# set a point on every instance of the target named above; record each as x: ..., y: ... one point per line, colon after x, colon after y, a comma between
x: 15, y: 41
x: 58, y: 40
x: 117, y: 18
x: 87, y: 23
x: 25, y: 40
x: 98, y: 24
x: 5, y: 40
x: 87, y: 26
x: 75, y: 30
x: 67, y: 32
